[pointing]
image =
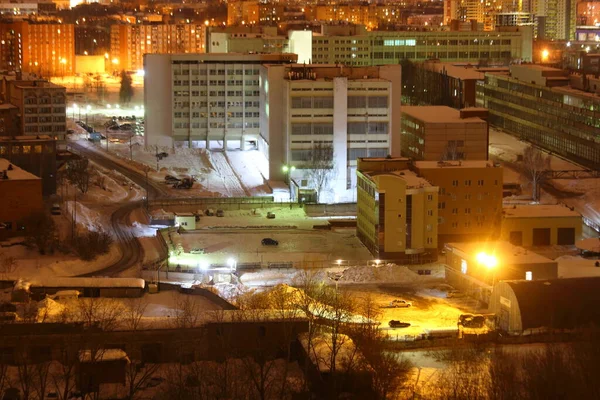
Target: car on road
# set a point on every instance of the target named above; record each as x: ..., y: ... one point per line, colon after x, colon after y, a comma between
x: 269, y: 242
x: 398, y: 324
x: 270, y: 215
x: 400, y: 303
x: 220, y: 213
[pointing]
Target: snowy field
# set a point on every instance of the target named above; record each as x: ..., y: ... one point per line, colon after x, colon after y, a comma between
x: 257, y: 218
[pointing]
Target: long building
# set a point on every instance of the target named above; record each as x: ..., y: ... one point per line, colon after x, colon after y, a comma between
x: 43, y: 49
x: 271, y: 103
x: 353, y: 45
x: 129, y: 42
x: 538, y: 104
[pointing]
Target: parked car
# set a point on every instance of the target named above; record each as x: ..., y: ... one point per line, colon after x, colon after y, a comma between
x: 269, y: 242
x: 398, y: 324
x: 220, y: 213
x: 171, y: 179
x: 400, y: 303
x: 70, y: 131
x: 162, y: 155
x: 209, y: 212
x: 270, y: 215
x: 471, y: 321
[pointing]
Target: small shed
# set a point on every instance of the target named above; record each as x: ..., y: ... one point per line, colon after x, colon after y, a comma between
x: 100, y: 367
x: 185, y: 220
x: 521, y: 306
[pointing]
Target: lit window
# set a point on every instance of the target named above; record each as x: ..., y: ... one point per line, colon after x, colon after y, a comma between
x: 528, y: 275
x: 463, y: 266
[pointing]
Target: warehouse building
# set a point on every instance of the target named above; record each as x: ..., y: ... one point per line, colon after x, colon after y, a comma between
x: 541, y: 225
x: 555, y: 304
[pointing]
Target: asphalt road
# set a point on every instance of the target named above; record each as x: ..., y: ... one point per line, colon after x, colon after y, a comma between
x: 131, y: 249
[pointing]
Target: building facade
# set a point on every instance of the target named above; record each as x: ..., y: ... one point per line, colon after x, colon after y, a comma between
x: 362, y: 48
x: 42, y: 107
x: 537, y: 104
x: 129, y: 42
x: 21, y: 197
x: 396, y: 213
x: 42, y: 49
x: 9, y: 120
x: 439, y: 133
x: 470, y: 198
x: 541, y: 225
x: 347, y: 110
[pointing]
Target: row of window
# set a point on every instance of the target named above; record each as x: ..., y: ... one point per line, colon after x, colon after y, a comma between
x: 216, y: 125
x: 312, y: 102
x: 480, y: 182
x: 45, y: 110
x: 27, y: 149
x: 215, y: 114
x: 253, y: 71
x: 364, y: 102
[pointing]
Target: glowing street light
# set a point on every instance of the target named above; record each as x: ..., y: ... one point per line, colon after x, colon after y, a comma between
x: 232, y: 263
x: 115, y: 61
x: 487, y: 260
x: 545, y: 55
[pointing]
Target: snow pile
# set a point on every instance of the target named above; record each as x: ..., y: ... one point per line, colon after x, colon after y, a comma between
x: 230, y: 291
x: 388, y: 273
x: 85, y: 217
x: 49, y: 309
x: 141, y: 230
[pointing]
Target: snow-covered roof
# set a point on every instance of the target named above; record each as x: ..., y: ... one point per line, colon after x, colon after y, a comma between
x: 412, y: 180
x: 465, y: 72
x: 589, y: 244
x: 15, y: 173
x: 438, y: 114
x: 505, y: 252
x: 454, y: 164
x: 62, y: 282
x: 103, y: 355
x: 539, y: 211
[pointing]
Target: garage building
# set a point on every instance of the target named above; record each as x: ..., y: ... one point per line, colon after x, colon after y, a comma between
x: 522, y: 306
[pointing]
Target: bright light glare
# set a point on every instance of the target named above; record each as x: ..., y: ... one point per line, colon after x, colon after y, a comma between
x: 486, y: 260
x: 140, y: 72
x: 339, y: 262
x: 545, y: 54
x: 203, y: 265
x: 285, y: 168
x: 231, y: 262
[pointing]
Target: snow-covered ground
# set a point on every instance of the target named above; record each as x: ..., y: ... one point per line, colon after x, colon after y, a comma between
x: 586, y: 199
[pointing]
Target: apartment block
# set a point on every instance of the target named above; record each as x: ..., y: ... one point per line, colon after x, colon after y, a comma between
x: 547, y: 107
x: 129, y: 42
x: 470, y: 198
x: 43, y: 49
x: 41, y: 104
x: 21, y: 198
x: 254, y: 12
x: 396, y: 212
x: 484, y: 12
x: 9, y: 120
x: 355, y: 46
x: 438, y: 133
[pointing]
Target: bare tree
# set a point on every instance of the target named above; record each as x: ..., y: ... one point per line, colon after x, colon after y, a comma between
x: 187, y: 311
x: 320, y: 167
x: 134, y: 311
x: 451, y: 152
x: 78, y: 173
x: 534, y: 169
x: 41, y: 232
x: 8, y: 264
x: 137, y: 376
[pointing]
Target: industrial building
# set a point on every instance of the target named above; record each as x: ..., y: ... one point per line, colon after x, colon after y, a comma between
x: 439, y: 133
x: 21, y: 197
x: 538, y: 104
x: 40, y: 48
x: 493, y: 261
x: 270, y: 103
x: 470, y: 198
x: 540, y: 225
x: 396, y: 211
x: 546, y: 305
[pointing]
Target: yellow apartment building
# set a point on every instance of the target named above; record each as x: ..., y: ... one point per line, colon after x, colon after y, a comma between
x: 397, y: 212
x: 470, y: 198
x: 541, y: 225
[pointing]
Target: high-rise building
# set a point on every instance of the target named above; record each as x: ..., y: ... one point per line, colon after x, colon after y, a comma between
x: 397, y: 211
x: 129, y: 42
x: 43, y: 49
x: 557, y: 19
x: 482, y: 11
x: 254, y: 12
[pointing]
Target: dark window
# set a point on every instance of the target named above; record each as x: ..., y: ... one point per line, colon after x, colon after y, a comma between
x: 516, y: 238
x: 541, y: 236
x: 566, y: 236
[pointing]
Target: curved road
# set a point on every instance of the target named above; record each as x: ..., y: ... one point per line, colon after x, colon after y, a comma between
x: 131, y: 249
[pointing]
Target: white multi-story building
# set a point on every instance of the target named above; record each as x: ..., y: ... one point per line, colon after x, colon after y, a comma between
x: 283, y: 109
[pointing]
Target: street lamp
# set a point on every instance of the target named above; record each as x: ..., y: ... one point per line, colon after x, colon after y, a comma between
x: 232, y: 263
x: 489, y: 261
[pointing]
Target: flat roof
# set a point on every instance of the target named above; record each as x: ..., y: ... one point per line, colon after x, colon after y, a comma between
x: 539, y: 210
x: 412, y: 180
x: 6, y: 106
x: 15, y: 173
x: 454, y: 164
x: 465, y: 71
x: 437, y: 114
x: 227, y: 57
x: 536, y: 66
x: 506, y: 252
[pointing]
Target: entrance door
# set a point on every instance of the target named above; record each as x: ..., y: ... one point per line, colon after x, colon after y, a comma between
x: 516, y: 238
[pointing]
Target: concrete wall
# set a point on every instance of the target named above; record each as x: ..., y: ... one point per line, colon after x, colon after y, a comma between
x: 19, y: 199
x: 526, y: 226
x: 158, y: 92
